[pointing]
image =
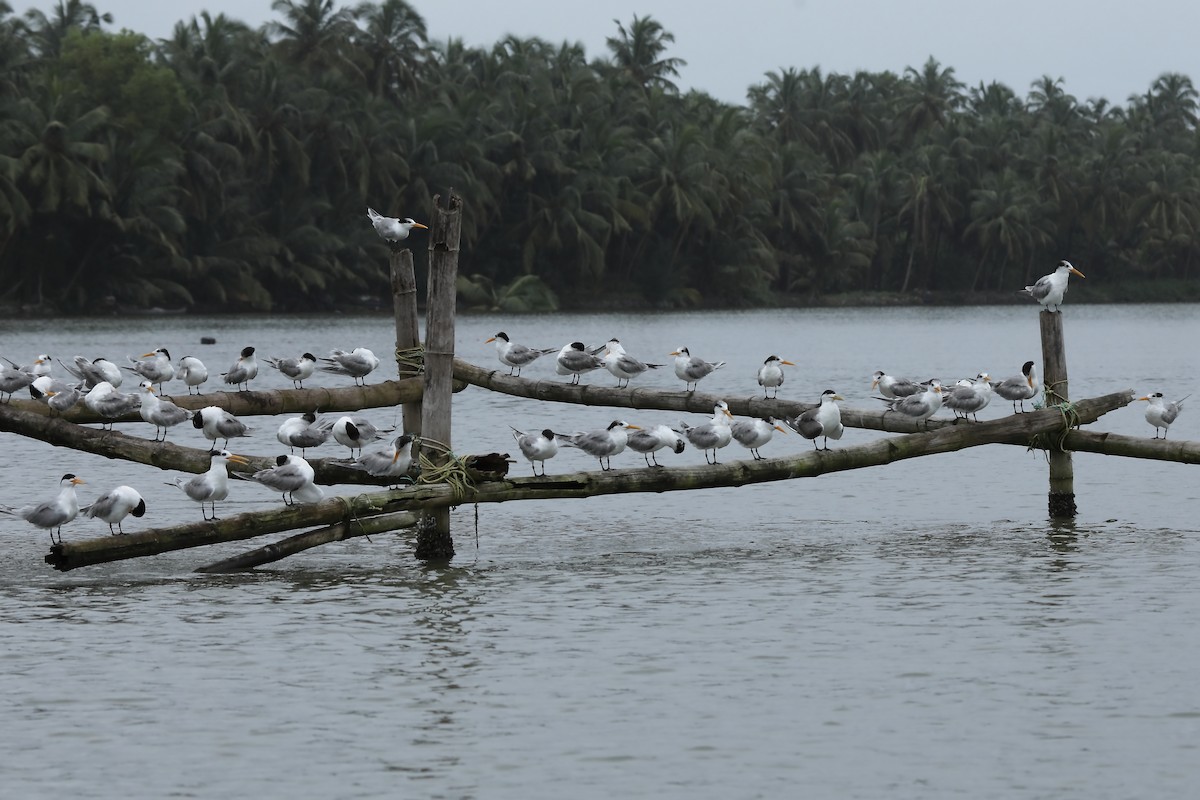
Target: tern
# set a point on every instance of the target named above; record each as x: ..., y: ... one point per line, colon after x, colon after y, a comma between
x: 537, y: 447
x: 1019, y: 387
x: 513, y: 355
x: 891, y: 387
x: 244, y: 370
x: 209, y: 487
x: 823, y: 420
x: 354, y: 432
x: 648, y: 441
x: 1160, y: 413
x: 52, y: 514
x: 711, y: 435
x: 358, y: 364
x: 770, y: 375
x: 602, y: 444
x: 160, y: 413
x: 106, y: 401
x: 192, y: 372
x: 59, y: 399
x: 391, y: 462
x: 574, y: 360
x: 217, y: 423
x: 41, y: 366
x: 292, y: 476
x: 1049, y: 289
x: 623, y: 366
x: 690, y: 369
x: 391, y: 228
x: 918, y: 406
x: 302, y: 432
x: 94, y: 371
x: 155, y: 367
x: 754, y: 433
x: 298, y: 369
x: 14, y: 380
x: 114, y: 506
x: 969, y: 397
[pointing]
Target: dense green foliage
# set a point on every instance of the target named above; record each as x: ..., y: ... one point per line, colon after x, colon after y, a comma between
x: 230, y: 168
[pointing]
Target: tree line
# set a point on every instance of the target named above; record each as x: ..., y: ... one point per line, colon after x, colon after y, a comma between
x: 229, y: 168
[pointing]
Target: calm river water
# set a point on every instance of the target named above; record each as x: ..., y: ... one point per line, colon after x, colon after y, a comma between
x: 917, y: 630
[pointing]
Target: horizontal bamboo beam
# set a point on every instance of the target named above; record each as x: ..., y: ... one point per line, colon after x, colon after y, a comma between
x: 339, y: 531
x: 1115, y: 444
x: 1016, y: 428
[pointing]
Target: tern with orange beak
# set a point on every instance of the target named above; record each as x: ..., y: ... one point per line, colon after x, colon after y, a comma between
x: 1049, y: 289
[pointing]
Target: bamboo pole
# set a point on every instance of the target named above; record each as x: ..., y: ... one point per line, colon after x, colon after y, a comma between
x: 1014, y: 429
x: 339, y: 531
x: 408, y: 332
x: 434, y: 542
x: 1061, y: 498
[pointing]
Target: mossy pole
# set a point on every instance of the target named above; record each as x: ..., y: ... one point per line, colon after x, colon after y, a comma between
x: 434, y: 542
x: 1061, y: 501
x: 408, y: 332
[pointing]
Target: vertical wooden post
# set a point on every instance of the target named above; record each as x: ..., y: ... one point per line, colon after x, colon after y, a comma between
x: 1054, y: 378
x: 434, y: 542
x: 408, y: 331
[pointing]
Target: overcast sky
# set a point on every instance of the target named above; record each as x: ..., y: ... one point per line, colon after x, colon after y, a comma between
x: 1100, y: 48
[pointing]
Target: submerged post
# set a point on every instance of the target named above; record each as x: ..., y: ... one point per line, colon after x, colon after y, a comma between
x: 408, y: 333
x: 1054, y: 368
x: 434, y: 542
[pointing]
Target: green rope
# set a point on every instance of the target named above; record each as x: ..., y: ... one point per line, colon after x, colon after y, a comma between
x: 411, y: 360
x: 1055, y: 440
x: 351, y: 514
x: 453, y: 471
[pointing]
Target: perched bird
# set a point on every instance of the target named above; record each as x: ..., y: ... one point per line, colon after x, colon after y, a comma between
x: 623, y: 366
x: 244, y: 370
x: 1019, y: 387
x: 891, y: 387
x: 1049, y: 289
x: 155, y: 367
x: 392, y: 462
x: 41, y: 366
x: 918, y: 406
x: 358, y: 364
x: 537, y: 447
x: 302, y: 432
x: 94, y: 371
x: 160, y: 413
x: 211, y: 486
x: 602, y: 444
x: 298, y: 369
x: 969, y: 397
x: 217, y: 423
x: 823, y: 420
x: 52, y: 514
x: 648, y: 441
x: 574, y: 360
x: 513, y: 355
x: 1160, y: 413
x: 109, y: 403
x: 192, y: 372
x: 14, y: 380
x: 770, y: 375
x: 391, y: 228
x: 294, y: 477
x: 61, y: 399
x: 754, y: 433
x: 711, y: 435
x: 690, y: 369
x: 115, y: 506
x: 354, y: 432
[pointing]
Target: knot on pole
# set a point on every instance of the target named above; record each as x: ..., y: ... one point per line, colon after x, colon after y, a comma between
x: 1050, y: 392
x: 411, y: 359
x: 1054, y: 440
x: 452, y: 472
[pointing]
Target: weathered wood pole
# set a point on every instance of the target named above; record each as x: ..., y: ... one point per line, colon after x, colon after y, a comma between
x: 434, y: 542
x: 1061, y: 499
x: 408, y: 333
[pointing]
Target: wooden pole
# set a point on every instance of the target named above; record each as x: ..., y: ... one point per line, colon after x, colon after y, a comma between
x: 1061, y: 500
x: 434, y: 542
x: 408, y: 333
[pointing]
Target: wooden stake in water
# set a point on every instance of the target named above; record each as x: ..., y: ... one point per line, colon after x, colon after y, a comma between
x: 408, y: 332
x: 1054, y: 376
x: 434, y: 542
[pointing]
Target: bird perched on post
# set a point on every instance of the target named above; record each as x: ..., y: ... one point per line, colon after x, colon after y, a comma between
x: 649, y: 441
x: 574, y: 360
x: 155, y: 367
x: 918, y: 407
x: 244, y: 370
x: 217, y: 423
x: 14, y: 380
x: 602, y: 444
x: 823, y: 420
x: 754, y: 433
x: 513, y: 355
x: 52, y: 514
x: 358, y: 364
x: 1019, y: 387
x: 536, y: 447
x: 969, y: 397
x: 623, y: 366
x: 292, y: 476
x: 114, y: 506
x: 1160, y: 413
x: 392, y: 229
x: 298, y: 369
x: 892, y: 387
x: 711, y: 435
x: 690, y: 369
x: 192, y: 372
x: 162, y: 414
x: 94, y: 371
x: 211, y: 486
x: 391, y: 462
x: 770, y: 375
x: 106, y: 401
x: 354, y: 431
x: 302, y: 432
x: 1049, y: 289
